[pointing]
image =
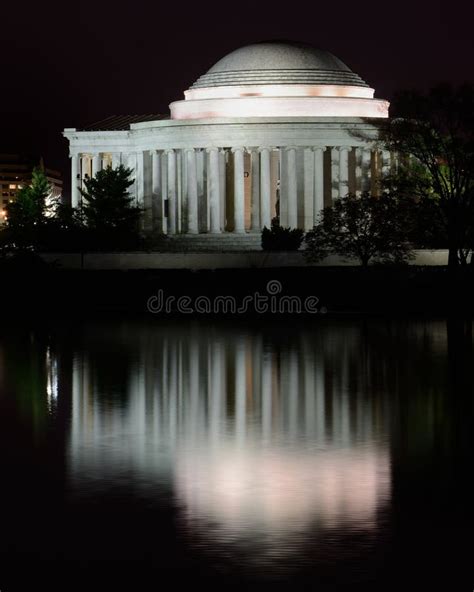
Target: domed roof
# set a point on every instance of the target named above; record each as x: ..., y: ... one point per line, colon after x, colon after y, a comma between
x: 277, y: 62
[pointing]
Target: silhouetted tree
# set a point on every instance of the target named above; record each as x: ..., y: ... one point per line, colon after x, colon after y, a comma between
x: 28, y: 214
x: 366, y: 229
x: 434, y: 134
x: 108, y: 208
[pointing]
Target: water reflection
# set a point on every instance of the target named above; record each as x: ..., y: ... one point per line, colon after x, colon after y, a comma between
x: 261, y: 443
x: 52, y: 378
x: 341, y: 450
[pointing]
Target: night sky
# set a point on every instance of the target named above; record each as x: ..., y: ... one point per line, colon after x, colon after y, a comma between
x: 64, y: 64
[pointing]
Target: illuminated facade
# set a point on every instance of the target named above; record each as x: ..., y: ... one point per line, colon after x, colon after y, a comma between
x: 271, y: 129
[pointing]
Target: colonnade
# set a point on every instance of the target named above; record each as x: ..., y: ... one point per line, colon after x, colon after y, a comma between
x: 238, y: 189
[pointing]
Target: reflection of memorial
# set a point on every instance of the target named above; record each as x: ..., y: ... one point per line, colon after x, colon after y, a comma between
x: 253, y: 440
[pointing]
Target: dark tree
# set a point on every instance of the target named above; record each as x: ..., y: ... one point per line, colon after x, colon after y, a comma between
x: 28, y: 214
x: 108, y: 208
x: 434, y: 134
x: 65, y: 231
x: 366, y: 229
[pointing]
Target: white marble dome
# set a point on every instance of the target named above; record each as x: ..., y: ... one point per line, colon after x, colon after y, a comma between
x: 279, y: 62
x: 279, y: 79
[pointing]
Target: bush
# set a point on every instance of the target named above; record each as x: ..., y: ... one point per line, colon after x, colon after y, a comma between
x: 14, y: 258
x: 278, y: 238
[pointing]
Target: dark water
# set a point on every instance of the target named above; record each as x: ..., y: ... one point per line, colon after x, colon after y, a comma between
x: 143, y: 455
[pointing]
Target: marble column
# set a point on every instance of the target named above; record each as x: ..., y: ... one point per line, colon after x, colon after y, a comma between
x: 140, y: 181
x: 164, y: 190
x: 334, y: 173
x: 144, y: 189
x: 85, y: 166
x: 386, y: 162
x: 318, y: 180
x: 309, y: 182
x: 239, y: 190
x: 358, y: 171
x: 265, y: 188
x: 171, y: 156
x: 255, y: 191
x: 75, y: 180
x: 157, y: 204
x: 366, y: 170
x: 131, y: 163
x: 214, y: 190
x: 95, y: 164
x: 179, y: 191
x: 115, y: 160
x: 282, y: 186
x: 201, y: 188
x: 344, y: 170
x: 106, y: 158
x: 208, y: 192
x: 222, y: 181
x: 292, y: 188
x: 192, y: 191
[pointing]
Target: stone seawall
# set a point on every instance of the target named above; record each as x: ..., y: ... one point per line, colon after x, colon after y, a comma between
x: 231, y: 260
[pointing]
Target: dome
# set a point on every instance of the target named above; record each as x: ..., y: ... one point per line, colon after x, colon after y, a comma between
x: 279, y: 79
x: 279, y: 63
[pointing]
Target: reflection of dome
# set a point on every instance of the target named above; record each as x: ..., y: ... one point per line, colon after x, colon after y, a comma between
x: 278, y: 63
x: 274, y: 491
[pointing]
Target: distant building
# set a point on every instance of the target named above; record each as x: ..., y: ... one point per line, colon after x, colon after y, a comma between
x: 16, y: 171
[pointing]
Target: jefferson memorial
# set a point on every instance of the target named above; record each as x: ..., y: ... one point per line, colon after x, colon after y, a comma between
x: 272, y: 129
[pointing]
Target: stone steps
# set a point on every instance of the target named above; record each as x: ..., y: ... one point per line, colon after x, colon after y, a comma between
x: 209, y: 242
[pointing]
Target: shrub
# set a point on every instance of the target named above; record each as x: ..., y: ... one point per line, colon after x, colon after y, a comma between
x: 278, y: 238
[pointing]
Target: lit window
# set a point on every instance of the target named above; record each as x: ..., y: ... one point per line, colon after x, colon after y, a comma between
x: 12, y: 186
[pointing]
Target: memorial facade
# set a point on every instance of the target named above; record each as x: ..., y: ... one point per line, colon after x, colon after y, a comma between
x: 272, y: 129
